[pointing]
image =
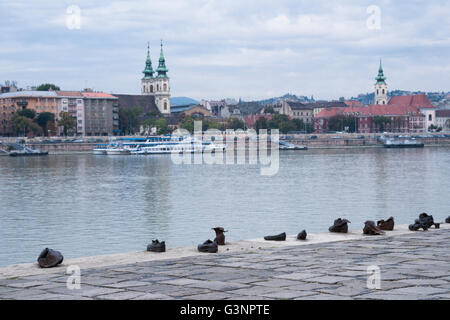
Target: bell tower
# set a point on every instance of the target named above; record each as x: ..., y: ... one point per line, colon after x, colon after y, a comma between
x: 162, y: 95
x: 381, y: 87
x: 157, y: 85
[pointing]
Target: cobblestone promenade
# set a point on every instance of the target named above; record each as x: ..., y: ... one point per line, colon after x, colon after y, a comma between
x: 412, y: 266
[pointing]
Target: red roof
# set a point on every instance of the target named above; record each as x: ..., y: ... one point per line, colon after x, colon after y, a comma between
x: 371, y: 110
x: 69, y: 93
x: 98, y: 95
x: 352, y: 103
x: 414, y: 100
x: 251, y: 118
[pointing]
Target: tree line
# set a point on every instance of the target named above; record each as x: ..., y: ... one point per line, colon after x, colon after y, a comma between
x: 27, y: 122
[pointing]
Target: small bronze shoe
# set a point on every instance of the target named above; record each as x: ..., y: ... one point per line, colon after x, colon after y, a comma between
x: 426, y: 220
x: 208, y: 246
x: 447, y: 220
x: 302, y: 235
x: 371, y: 229
x: 386, y: 225
x: 157, y: 246
x: 416, y: 226
x: 340, y: 225
x: 50, y: 258
x: 220, y: 236
x: 278, y: 237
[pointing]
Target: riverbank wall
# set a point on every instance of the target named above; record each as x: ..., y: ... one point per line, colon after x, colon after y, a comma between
x: 312, y: 141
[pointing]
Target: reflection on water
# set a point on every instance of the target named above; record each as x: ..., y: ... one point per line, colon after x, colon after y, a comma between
x: 88, y: 205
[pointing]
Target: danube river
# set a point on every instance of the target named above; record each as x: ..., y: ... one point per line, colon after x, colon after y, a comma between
x: 83, y: 204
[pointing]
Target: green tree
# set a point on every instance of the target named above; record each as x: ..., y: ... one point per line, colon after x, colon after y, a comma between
x: 160, y: 124
x: 24, y: 125
x: 381, y: 122
x: 299, y: 124
x: 260, y: 123
x: 29, y: 113
x: 269, y: 110
x: 188, y: 123
x: 47, y: 87
x: 67, y: 122
x: 235, y: 124
x: 340, y: 122
x: 46, y: 120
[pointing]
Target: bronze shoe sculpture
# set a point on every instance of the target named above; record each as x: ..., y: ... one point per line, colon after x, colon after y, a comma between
x: 427, y: 220
x: 340, y: 225
x: 371, y: 229
x: 386, y: 225
x: 157, y: 246
x: 208, y: 246
x: 278, y: 237
x: 49, y: 258
x: 220, y: 236
x: 417, y: 225
x: 447, y: 220
x: 302, y: 235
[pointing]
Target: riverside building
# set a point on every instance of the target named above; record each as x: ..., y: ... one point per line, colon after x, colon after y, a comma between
x: 96, y: 113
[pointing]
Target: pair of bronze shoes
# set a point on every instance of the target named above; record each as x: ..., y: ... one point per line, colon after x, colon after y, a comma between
x: 157, y: 246
x: 208, y: 247
x: 282, y: 236
x: 49, y: 258
x: 447, y: 220
x: 425, y: 221
x: 340, y: 226
x: 371, y: 229
x: 387, y: 225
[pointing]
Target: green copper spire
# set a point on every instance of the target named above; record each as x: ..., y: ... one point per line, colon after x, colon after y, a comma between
x: 148, y: 71
x: 162, y: 70
x: 380, y: 78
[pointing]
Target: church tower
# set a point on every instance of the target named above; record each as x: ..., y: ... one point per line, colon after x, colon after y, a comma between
x: 381, y: 87
x: 157, y: 86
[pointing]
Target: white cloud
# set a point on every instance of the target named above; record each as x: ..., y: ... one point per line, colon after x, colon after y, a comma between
x: 228, y: 48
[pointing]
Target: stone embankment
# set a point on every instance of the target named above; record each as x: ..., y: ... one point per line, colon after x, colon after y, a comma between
x: 310, y: 140
x: 408, y: 265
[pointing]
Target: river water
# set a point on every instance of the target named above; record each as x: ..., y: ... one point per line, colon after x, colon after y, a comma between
x: 83, y: 204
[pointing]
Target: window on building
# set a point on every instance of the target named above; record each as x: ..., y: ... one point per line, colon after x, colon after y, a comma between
x: 430, y: 117
x: 151, y: 89
x: 165, y: 105
x: 165, y: 87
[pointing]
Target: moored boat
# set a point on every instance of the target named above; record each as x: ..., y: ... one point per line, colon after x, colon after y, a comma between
x: 403, y: 143
x: 290, y: 146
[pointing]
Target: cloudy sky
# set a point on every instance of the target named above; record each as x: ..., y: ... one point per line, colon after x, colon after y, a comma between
x: 251, y: 49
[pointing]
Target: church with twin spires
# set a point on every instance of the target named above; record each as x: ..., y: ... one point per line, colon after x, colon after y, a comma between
x: 156, y: 83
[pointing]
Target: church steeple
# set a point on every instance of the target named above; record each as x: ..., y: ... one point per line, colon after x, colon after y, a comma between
x: 381, y: 87
x: 162, y: 69
x: 148, y: 71
x: 380, y: 78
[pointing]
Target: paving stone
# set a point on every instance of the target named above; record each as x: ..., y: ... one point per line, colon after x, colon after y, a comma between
x: 298, y: 276
x: 153, y: 296
x: 127, y: 284
x: 26, y: 284
x: 287, y: 294
x: 326, y: 279
x: 209, y: 296
x: 276, y: 283
x: 126, y: 295
x: 413, y: 266
x: 217, y: 285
